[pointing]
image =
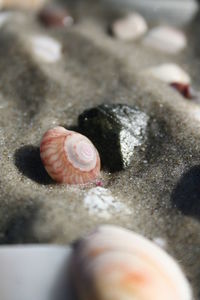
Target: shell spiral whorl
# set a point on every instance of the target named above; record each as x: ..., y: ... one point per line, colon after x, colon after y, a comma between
x: 69, y: 157
x: 115, y: 263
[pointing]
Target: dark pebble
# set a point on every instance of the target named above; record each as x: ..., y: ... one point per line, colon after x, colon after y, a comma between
x: 55, y: 17
x: 115, y: 130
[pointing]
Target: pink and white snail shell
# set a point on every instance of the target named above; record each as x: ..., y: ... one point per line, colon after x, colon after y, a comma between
x: 116, y: 264
x: 69, y: 157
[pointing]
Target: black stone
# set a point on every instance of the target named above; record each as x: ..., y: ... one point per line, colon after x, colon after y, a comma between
x: 115, y: 129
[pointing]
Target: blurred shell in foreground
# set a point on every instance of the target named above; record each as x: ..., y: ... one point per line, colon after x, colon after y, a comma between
x: 115, y: 263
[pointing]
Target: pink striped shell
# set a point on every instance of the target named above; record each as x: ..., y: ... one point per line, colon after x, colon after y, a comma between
x: 69, y: 157
x: 113, y: 263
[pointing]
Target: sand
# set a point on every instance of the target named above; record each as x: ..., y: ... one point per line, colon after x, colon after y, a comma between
x: 157, y: 196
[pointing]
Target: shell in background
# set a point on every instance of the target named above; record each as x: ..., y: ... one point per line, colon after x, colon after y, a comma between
x: 46, y: 49
x: 176, y: 12
x: 115, y: 263
x: 166, y: 39
x: 169, y: 73
x: 55, y: 16
x: 69, y: 157
x: 22, y: 4
x: 130, y: 27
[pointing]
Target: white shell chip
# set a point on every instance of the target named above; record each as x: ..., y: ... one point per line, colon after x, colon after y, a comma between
x: 100, y: 202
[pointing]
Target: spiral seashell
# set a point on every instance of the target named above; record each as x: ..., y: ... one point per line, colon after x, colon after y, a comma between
x: 114, y: 263
x: 69, y: 157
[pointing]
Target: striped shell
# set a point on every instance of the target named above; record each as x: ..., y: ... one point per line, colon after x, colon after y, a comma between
x: 116, y: 264
x: 69, y: 157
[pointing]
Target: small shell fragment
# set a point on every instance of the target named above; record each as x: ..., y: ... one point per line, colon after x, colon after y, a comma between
x: 100, y: 202
x: 46, y: 48
x: 69, y: 157
x: 169, y: 73
x: 115, y: 263
x: 130, y: 27
x: 166, y: 39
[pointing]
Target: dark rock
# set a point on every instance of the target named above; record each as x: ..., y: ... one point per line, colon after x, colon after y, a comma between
x: 115, y: 130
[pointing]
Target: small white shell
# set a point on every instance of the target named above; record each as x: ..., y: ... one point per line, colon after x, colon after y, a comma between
x: 130, y: 27
x: 169, y: 73
x: 114, y: 263
x: 166, y: 39
x: 46, y: 48
x: 69, y: 157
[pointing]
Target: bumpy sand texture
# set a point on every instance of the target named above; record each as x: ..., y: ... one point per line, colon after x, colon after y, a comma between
x: 90, y: 69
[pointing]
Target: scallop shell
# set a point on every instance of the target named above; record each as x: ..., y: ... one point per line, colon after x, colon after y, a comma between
x: 69, y: 157
x: 114, y: 263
